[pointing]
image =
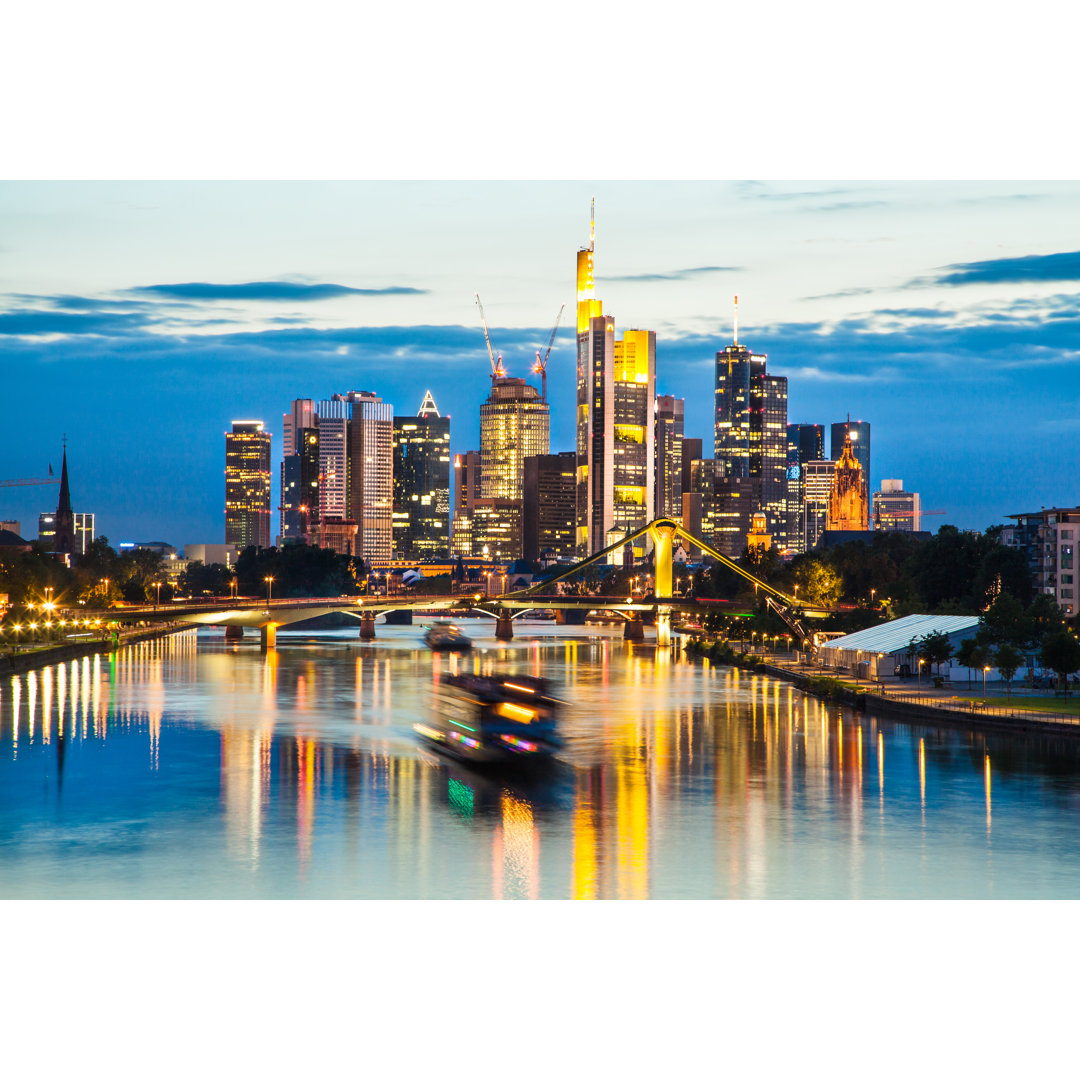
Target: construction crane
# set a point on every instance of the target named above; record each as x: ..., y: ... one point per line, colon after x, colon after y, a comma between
x: 497, y: 371
x: 541, y: 365
x: 26, y: 483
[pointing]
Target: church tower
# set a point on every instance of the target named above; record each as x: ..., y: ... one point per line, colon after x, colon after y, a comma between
x: 847, y: 499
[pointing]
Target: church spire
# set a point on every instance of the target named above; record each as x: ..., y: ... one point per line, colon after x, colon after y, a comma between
x: 64, y: 542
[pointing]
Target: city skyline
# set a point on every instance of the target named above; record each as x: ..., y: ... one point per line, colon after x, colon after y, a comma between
x: 176, y: 353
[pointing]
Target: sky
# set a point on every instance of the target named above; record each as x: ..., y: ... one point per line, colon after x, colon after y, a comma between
x: 140, y: 318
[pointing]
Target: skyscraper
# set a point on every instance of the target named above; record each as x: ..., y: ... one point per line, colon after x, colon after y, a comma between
x: 859, y: 433
x: 805, y: 443
x: 549, y: 505
x: 897, y: 510
x: 817, y: 486
x: 422, y: 482
x: 616, y: 388
x: 514, y: 424
x: 300, y: 487
x: 751, y: 430
x: 303, y: 414
x: 247, y: 485
x: 669, y: 447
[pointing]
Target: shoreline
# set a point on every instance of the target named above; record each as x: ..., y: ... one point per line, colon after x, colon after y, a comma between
x: 61, y: 654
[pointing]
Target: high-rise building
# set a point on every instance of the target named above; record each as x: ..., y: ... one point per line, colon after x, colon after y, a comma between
x: 496, y: 529
x: 356, y: 448
x: 847, y: 500
x: 549, y: 505
x: 817, y: 486
x: 616, y: 387
x: 751, y: 430
x: 805, y: 442
x: 669, y: 452
x: 726, y: 505
x: 515, y: 423
x: 858, y: 431
x: 371, y: 474
x: 303, y: 414
x: 247, y: 484
x: 897, y: 510
x: 300, y: 487
x: 422, y: 483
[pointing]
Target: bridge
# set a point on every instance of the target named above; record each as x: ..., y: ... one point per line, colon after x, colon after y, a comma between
x: 269, y: 615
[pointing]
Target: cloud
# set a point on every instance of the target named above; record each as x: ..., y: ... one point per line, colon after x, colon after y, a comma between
x: 853, y: 204
x: 673, y: 275
x: 268, y: 290
x: 1025, y: 269
x: 840, y: 295
x: 31, y: 323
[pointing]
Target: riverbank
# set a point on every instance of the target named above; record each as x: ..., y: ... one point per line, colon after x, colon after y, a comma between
x: 12, y: 663
x: 897, y: 699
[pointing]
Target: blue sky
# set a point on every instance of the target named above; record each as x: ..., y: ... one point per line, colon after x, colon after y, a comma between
x: 142, y: 317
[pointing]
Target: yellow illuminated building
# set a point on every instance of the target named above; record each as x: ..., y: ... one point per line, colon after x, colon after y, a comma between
x: 847, y: 498
x: 514, y: 424
x: 247, y: 485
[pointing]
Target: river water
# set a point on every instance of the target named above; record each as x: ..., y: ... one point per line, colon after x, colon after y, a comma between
x: 191, y: 768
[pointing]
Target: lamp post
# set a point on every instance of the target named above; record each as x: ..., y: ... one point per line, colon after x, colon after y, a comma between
x: 269, y: 590
x: 920, y: 673
x: 105, y: 582
x: 157, y: 594
x: 232, y: 587
x: 872, y: 592
x: 985, y: 670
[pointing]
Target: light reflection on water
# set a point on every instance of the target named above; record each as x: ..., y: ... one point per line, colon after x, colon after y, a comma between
x: 189, y: 767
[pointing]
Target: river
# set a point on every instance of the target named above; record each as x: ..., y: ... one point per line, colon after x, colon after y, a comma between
x: 188, y: 767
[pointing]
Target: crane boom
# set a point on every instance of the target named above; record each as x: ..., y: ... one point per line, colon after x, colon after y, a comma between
x: 497, y: 371
x: 541, y: 365
x: 26, y: 482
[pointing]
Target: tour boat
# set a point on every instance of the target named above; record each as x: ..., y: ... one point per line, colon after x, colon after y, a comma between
x: 494, y: 720
x: 445, y: 636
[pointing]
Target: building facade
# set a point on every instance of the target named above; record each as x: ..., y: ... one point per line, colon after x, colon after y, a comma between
x: 371, y: 474
x: 515, y: 423
x: 247, y: 485
x: 817, y: 477
x: 897, y: 510
x: 300, y: 487
x: 496, y: 529
x: 858, y: 431
x: 721, y: 506
x: 549, y: 505
x: 421, y: 513
x: 805, y: 442
x: 1048, y: 539
x: 668, y: 438
x: 847, y: 500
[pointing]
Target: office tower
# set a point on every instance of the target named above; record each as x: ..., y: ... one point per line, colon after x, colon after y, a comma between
x: 847, y: 500
x: 805, y: 442
x: 466, y: 492
x: 691, y: 500
x: 691, y: 452
x: 421, y: 512
x: 496, y: 529
x: 247, y: 485
x: 303, y: 414
x: 669, y: 447
x: 300, y: 487
x: 727, y: 505
x: 859, y: 433
x: 356, y: 463
x: 897, y: 510
x: 514, y: 424
x: 750, y: 433
x: 549, y: 505
x: 616, y: 387
x: 371, y: 473
x: 817, y: 487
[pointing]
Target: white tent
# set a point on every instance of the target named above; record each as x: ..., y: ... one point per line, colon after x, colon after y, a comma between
x: 885, y: 647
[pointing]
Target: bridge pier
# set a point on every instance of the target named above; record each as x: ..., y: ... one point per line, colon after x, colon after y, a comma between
x: 634, y: 628
x: 663, y: 628
x: 504, y: 627
x: 268, y: 636
x: 234, y: 633
x: 367, y: 627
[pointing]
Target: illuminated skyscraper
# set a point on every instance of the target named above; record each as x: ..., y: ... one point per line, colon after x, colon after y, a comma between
x: 247, y: 485
x: 549, y: 505
x: 669, y: 445
x: 817, y: 477
x: 897, y: 510
x: 805, y: 443
x: 616, y: 388
x: 300, y: 487
x: 303, y: 414
x: 514, y: 424
x: 751, y: 430
x: 422, y: 482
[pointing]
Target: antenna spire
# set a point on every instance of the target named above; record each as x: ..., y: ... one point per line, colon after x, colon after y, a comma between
x: 592, y: 224
x: 736, y: 320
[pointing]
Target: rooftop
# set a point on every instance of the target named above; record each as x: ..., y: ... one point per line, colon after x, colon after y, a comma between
x: 895, y: 635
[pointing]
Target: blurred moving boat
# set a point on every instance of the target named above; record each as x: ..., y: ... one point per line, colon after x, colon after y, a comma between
x: 493, y: 720
x: 444, y: 636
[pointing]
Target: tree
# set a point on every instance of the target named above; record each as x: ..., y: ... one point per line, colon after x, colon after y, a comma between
x: 971, y: 654
x: 934, y: 648
x: 1004, y: 623
x: 1061, y: 653
x: 1007, y: 658
x: 818, y: 583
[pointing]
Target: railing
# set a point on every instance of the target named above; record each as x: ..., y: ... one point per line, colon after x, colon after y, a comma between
x: 975, y: 707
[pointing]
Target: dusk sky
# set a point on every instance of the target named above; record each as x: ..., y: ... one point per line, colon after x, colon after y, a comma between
x: 141, y: 318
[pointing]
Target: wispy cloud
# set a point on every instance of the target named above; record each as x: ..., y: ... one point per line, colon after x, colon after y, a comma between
x: 673, y: 275
x: 1025, y: 269
x: 268, y: 290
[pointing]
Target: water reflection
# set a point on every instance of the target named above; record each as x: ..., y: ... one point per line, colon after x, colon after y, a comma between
x: 192, y: 768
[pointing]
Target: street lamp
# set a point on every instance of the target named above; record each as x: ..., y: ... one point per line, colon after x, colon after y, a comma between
x: 157, y: 596
x: 105, y: 582
x: 269, y: 590
x: 232, y: 586
x: 872, y: 592
x: 985, y: 670
x: 921, y: 662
